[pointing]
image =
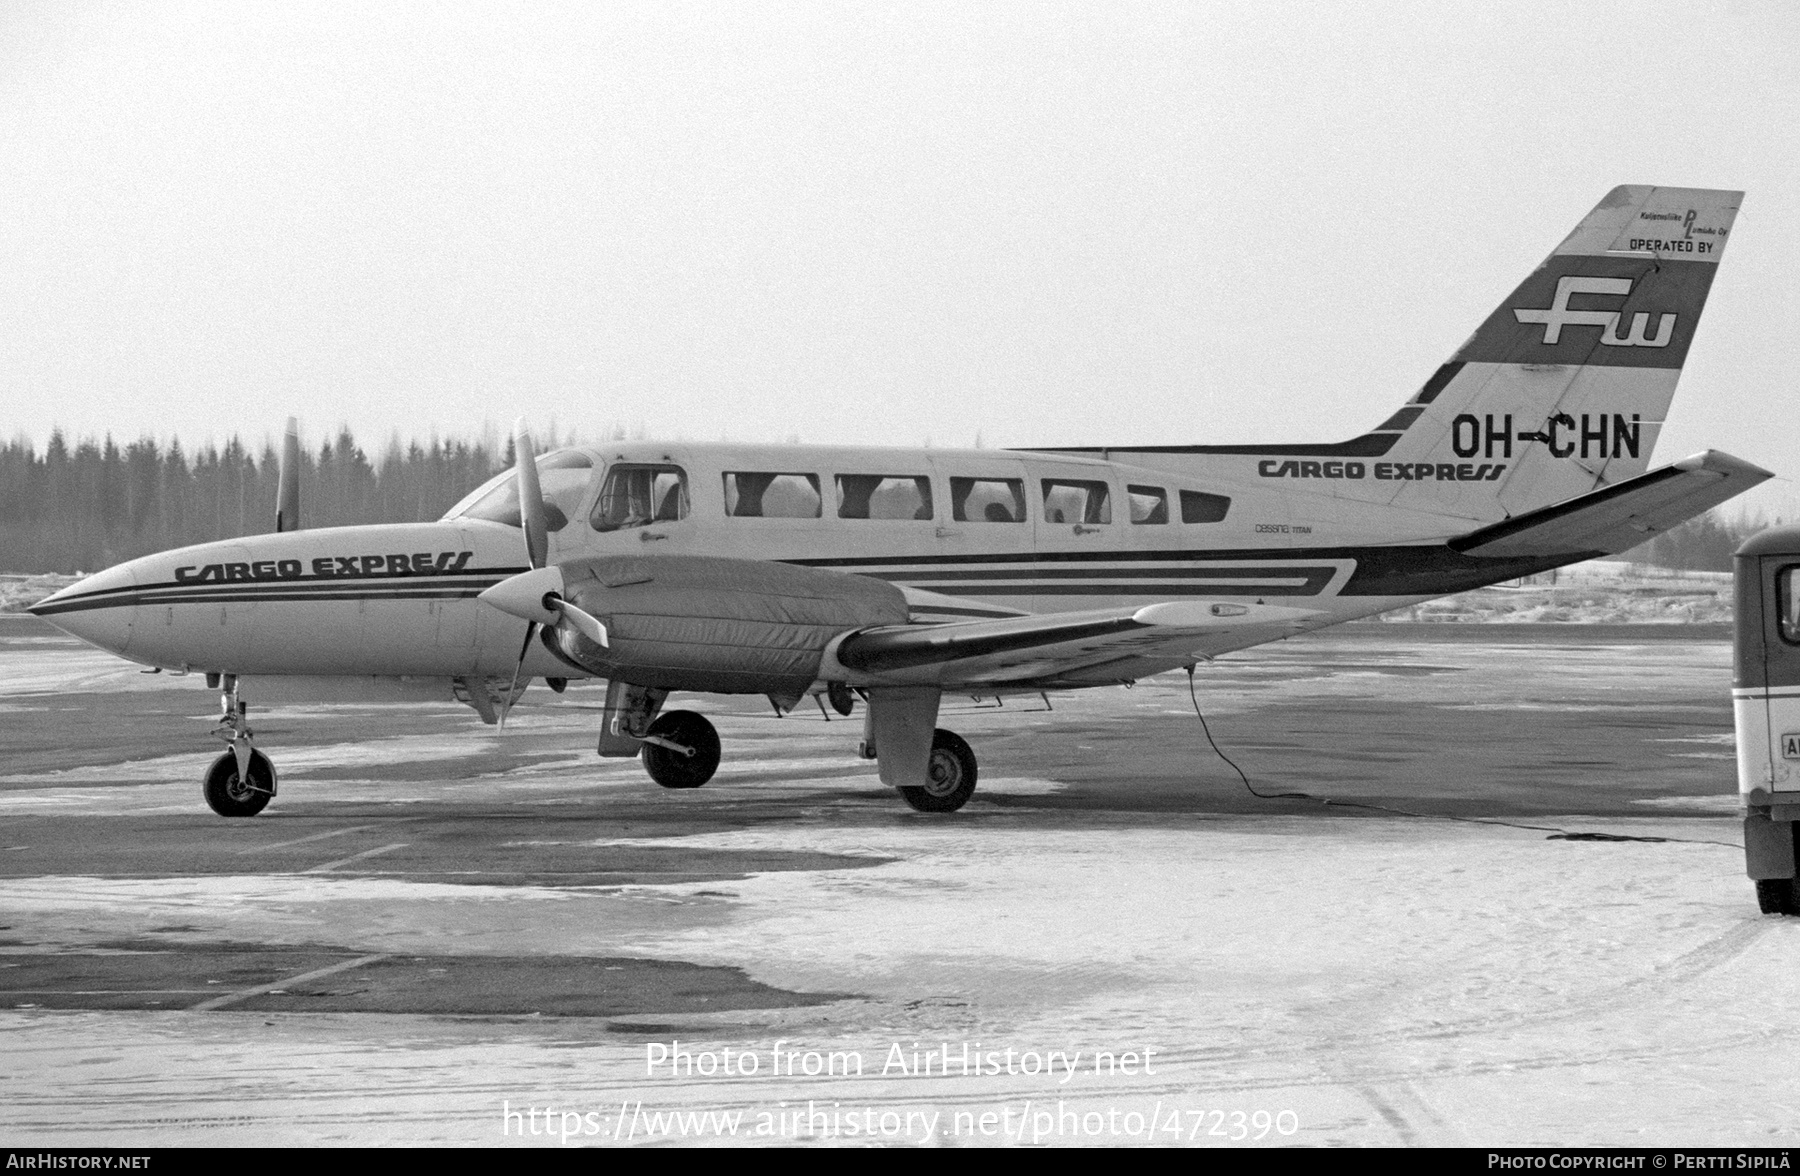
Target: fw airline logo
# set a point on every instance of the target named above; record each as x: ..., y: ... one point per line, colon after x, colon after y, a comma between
x: 1559, y: 315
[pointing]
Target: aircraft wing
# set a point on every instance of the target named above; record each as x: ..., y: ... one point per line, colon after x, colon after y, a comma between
x: 1620, y: 516
x: 1077, y: 648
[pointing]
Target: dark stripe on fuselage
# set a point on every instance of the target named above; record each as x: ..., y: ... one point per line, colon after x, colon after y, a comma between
x: 1322, y: 574
x: 1413, y: 570
x: 351, y: 586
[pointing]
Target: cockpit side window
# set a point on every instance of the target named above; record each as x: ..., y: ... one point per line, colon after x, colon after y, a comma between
x: 638, y: 495
x: 563, y: 479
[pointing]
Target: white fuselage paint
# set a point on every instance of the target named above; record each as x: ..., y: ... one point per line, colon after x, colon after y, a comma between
x: 400, y: 600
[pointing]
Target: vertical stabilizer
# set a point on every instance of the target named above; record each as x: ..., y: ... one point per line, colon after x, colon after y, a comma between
x: 1563, y: 389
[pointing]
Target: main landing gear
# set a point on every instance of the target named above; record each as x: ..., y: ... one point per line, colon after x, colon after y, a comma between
x: 949, y: 775
x: 242, y: 781
x: 933, y: 769
x: 681, y: 750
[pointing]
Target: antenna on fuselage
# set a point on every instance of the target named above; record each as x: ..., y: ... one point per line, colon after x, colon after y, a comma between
x: 287, y: 480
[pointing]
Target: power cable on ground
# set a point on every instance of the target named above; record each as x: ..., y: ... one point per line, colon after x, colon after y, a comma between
x: 1556, y: 832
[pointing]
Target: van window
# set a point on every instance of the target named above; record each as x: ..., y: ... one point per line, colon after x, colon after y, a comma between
x: 1787, y: 604
x: 636, y: 495
x: 987, y: 500
x: 883, y: 496
x: 1203, y: 508
x: 1067, y: 501
x: 771, y: 496
x: 1149, y: 504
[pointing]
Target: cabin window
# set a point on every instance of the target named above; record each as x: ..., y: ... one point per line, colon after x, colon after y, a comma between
x: 563, y: 478
x: 1149, y: 504
x: 987, y: 500
x: 1067, y: 501
x: 637, y: 495
x: 771, y: 496
x: 1787, y: 604
x: 1197, y: 507
x: 883, y: 496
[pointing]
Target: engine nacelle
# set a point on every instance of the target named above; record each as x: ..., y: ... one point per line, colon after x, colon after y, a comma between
x: 716, y: 625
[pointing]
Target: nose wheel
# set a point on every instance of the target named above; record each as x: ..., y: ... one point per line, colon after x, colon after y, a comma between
x: 241, y: 782
x: 234, y: 793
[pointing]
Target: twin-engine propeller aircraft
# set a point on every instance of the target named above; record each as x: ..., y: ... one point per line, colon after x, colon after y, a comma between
x: 897, y: 575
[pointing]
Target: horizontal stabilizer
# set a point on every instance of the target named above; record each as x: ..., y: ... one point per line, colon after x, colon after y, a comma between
x: 1621, y: 516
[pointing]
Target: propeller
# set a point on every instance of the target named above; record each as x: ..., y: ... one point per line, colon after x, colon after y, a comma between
x: 287, y: 480
x: 536, y: 596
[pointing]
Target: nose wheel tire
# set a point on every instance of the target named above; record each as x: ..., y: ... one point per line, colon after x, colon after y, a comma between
x: 230, y: 795
x: 949, y: 776
x: 678, y: 769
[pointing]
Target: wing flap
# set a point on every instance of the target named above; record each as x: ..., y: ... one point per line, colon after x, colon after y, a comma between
x: 1621, y: 516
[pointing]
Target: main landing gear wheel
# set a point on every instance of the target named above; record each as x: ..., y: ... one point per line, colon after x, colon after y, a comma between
x: 692, y: 761
x: 949, y: 776
x: 1778, y: 896
x: 230, y: 795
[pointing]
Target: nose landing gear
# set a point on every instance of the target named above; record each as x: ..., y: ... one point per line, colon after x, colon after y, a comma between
x: 242, y: 781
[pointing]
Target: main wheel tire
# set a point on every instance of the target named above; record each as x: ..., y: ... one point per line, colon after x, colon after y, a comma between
x: 672, y: 769
x: 949, y: 776
x: 1778, y: 896
x: 230, y: 796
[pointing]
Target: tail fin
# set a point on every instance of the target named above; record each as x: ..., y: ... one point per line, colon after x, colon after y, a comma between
x: 1564, y: 388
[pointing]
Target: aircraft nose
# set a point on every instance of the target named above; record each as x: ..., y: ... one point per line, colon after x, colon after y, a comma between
x: 100, y: 610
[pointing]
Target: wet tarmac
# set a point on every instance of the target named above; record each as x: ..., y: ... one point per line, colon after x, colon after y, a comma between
x: 441, y: 932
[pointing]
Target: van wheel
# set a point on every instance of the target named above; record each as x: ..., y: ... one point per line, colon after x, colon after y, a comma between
x: 1776, y: 896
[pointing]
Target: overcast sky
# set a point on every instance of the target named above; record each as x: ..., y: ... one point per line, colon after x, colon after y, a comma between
x: 1053, y: 224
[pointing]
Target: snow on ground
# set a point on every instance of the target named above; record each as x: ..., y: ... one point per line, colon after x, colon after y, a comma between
x: 1608, y: 592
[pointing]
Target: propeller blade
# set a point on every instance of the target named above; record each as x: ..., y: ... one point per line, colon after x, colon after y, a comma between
x: 586, y: 624
x: 506, y: 704
x: 287, y: 480
x: 531, y: 497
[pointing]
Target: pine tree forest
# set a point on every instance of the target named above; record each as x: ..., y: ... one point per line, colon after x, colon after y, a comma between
x: 84, y: 508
